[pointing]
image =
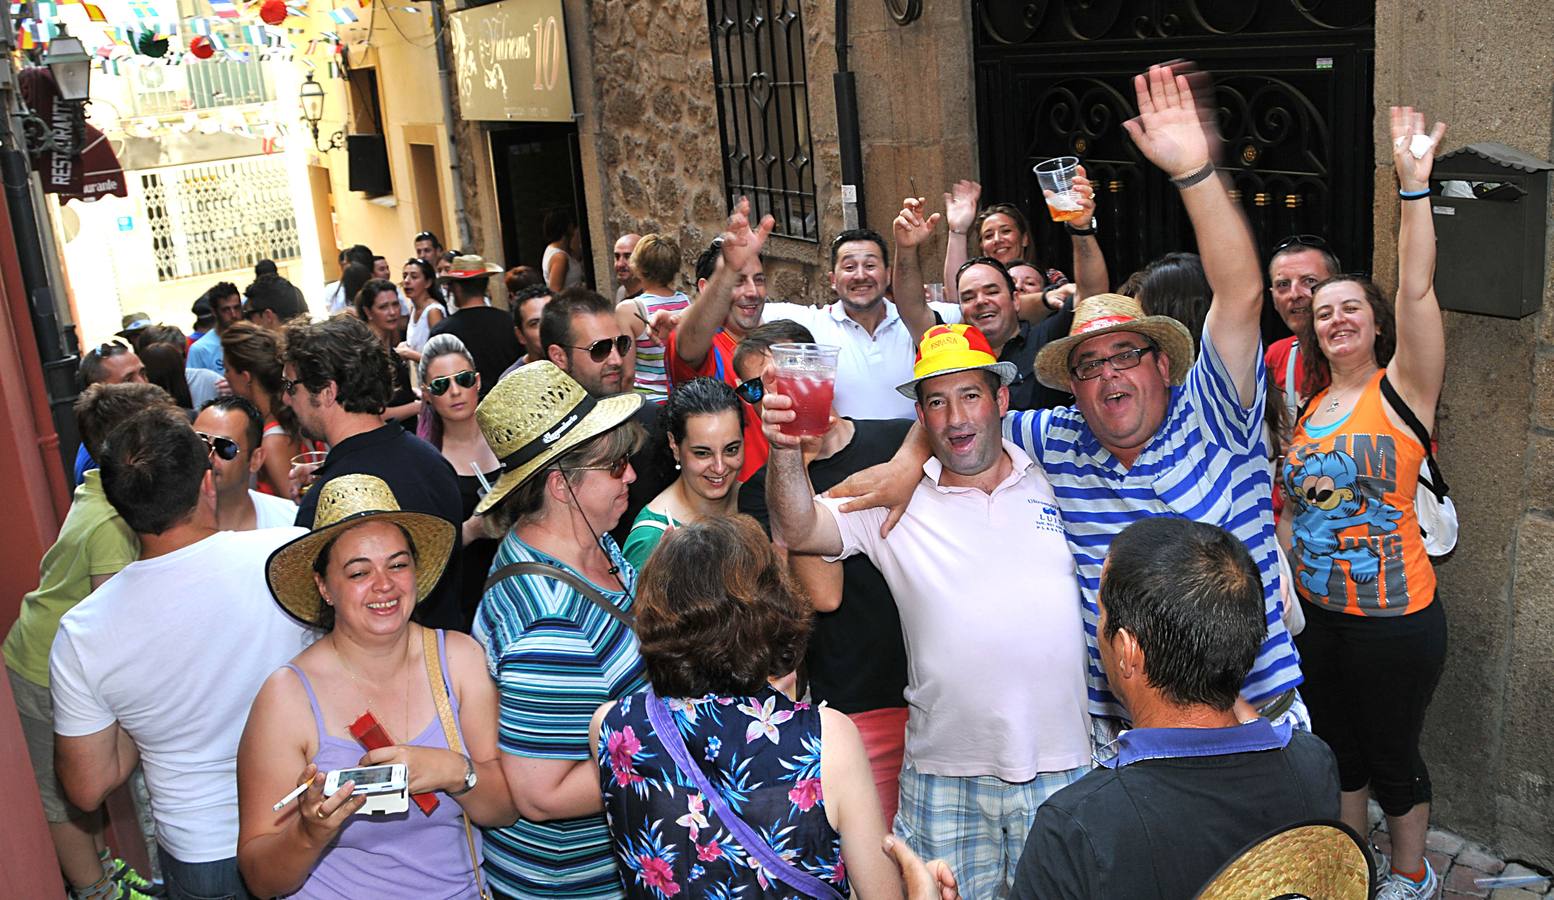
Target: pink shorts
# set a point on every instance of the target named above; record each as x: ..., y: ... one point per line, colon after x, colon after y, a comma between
x: 884, y: 739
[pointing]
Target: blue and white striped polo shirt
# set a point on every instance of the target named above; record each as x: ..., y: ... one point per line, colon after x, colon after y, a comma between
x: 1207, y: 463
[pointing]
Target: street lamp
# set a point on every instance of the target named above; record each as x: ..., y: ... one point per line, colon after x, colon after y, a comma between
x: 71, y: 65
x: 312, y: 98
x: 70, y: 68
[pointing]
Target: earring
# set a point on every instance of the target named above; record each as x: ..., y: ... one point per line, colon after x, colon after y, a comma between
x: 677, y: 464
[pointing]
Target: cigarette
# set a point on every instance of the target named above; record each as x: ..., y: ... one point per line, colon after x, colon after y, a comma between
x: 296, y: 792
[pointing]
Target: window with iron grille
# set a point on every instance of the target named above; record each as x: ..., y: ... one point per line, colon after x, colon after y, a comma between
x: 219, y: 217
x: 763, y: 110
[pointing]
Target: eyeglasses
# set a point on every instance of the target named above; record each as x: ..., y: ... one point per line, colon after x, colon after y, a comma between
x: 1127, y: 359
x: 224, y: 447
x: 617, y: 469
x: 1314, y: 241
x: 439, y: 386
x: 599, y: 350
x: 751, y: 391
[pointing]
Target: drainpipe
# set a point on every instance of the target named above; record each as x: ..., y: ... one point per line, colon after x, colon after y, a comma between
x: 444, y: 77
x: 849, y: 145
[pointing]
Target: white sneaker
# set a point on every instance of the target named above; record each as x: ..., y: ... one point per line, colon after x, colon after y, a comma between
x: 1396, y: 887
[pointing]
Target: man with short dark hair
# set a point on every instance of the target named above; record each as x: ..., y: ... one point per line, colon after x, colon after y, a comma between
x: 235, y: 430
x: 428, y: 248
x: 114, y: 362
x: 338, y: 379
x: 227, y: 305
x: 528, y: 308
x: 272, y: 301
x: 1181, y: 620
x: 197, y: 597
x: 1299, y: 263
x: 487, y: 332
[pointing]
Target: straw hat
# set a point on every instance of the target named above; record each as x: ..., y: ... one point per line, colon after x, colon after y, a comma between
x: 1320, y: 859
x: 470, y: 266
x: 947, y: 349
x: 1104, y: 314
x: 343, y: 503
x: 536, y: 414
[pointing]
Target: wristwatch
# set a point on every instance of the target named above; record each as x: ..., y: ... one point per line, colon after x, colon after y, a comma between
x: 469, y: 779
x: 1095, y: 223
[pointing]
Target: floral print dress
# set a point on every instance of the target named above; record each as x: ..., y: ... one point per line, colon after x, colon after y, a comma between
x: 761, y: 752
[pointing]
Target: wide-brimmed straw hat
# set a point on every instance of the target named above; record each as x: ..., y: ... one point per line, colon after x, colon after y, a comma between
x: 470, y: 266
x: 343, y: 503
x: 1310, y: 859
x: 947, y: 349
x: 538, y: 413
x: 1103, y: 314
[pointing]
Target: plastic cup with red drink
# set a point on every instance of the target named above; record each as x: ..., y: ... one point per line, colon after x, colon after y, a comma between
x: 807, y: 373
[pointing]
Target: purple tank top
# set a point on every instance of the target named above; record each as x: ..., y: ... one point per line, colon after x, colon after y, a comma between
x: 409, y: 855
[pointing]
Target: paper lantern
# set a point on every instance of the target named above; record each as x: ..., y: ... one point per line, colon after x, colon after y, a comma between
x: 273, y: 12
x: 148, y: 44
x: 201, y: 47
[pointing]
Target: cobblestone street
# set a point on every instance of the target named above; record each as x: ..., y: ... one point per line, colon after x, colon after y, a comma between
x: 1460, y: 863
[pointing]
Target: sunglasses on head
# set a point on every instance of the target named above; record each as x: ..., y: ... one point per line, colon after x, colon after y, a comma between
x: 111, y: 348
x: 224, y: 447
x: 439, y: 386
x: 1316, y: 242
x: 599, y: 350
x: 426, y: 236
x: 751, y: 391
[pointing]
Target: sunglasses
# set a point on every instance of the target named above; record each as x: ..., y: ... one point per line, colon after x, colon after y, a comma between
x: 289, y: 386
x: 1300, y: 240
x: 425, y: 236
x: 223, y: 447
x: 617, y: 468
x: 599, y: 350
x: 751, y: 391
x: 439, y: 386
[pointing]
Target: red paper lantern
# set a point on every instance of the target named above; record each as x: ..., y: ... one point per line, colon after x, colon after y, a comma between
x: 273, y: 12
x: 202, y: 48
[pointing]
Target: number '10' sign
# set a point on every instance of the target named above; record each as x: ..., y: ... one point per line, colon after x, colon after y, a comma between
x: 547, y: 53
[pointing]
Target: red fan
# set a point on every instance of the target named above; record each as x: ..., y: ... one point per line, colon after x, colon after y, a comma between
x: 202, y: 48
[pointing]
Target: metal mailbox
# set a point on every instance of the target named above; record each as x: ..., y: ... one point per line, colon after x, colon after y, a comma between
x: 1491, y: 224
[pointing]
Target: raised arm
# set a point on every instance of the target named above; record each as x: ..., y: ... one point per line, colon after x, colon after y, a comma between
x: 741, y: 245
x: 1419, y: 364
x: 798, y: 521
x: 1174, y: 133
x: 1090, y: 273
x: 911, y: 229
x: 960, y: 210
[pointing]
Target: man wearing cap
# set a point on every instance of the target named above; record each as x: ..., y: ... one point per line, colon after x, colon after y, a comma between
x: 159, y: 665
x: 487, y: 331
x: 1153, y: 433
x: 997, y: 718
x: 227, y: 305
x: 1181, y: 622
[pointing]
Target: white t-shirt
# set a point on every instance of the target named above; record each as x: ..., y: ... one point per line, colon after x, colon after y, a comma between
x: 271, y: 511
x: 870, y: 366
x: 990, y: 612
x: 175, y: 648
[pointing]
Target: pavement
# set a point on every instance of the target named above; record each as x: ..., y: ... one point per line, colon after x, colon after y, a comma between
x: 1460, y: 862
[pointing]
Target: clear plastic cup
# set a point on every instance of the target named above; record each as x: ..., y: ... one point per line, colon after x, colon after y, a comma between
x: 807, y: 373
x: 303, y: 465
x: 1056, y: 177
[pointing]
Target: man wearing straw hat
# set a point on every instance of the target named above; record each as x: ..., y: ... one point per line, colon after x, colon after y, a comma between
x: 996, y: 692
x: 159, y: 665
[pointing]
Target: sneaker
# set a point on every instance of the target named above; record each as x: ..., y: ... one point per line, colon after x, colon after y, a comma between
x: 125, y: 874
x: 1383, y: 867
x: 125, y: 892
x: 1396, y: 887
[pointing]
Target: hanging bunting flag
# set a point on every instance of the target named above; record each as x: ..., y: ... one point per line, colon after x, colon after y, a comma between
x: 94, y: 13
x: 16, y: 10
x: 24, y: 38
x: 201, y: 27
x: 343, y: 16
x: 144, y: 9
x: 47, y: 10
x: 226, y: 9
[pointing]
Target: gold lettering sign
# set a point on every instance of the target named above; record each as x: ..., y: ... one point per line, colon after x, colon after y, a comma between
x: 510, y: 62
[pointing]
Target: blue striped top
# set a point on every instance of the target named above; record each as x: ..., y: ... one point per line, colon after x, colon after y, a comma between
x: 1207, y: 463
x: 556, y: 658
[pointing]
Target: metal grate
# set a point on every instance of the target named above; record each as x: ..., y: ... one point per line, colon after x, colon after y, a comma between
x: 763, y: 110
x: 218, y: 217
x: 211, y: 84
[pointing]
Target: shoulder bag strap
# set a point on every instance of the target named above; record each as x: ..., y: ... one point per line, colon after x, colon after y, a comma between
x: 433, y: 656
x: 1439, y: 488
x: 776, y: 866
x: 546, y: 570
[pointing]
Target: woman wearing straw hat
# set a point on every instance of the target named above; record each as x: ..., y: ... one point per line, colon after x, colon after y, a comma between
x: 357, y: 576
x: 555, y: 620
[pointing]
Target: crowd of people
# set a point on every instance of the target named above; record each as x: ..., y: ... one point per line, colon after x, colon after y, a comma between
x: 1070, y: 596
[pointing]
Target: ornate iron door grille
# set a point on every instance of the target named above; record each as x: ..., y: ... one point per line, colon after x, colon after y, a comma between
x: 1292, y: 83
x: 219, y: 217
x: 763, y: 110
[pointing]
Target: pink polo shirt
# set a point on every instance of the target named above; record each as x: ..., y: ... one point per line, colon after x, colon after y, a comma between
x: 990, y: 611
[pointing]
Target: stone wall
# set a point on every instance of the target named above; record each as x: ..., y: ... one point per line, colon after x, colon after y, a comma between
x: 1486, y: 70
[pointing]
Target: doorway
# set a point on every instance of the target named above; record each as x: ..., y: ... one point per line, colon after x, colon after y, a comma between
x: 538, y: 168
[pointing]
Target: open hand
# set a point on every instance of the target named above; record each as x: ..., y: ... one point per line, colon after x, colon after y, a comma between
x: 911, y: 227
x: 1169, y: 129
x: 960, y: 204
x: 1413, y: 171
x: 741, y: 243
x: 888, y: 484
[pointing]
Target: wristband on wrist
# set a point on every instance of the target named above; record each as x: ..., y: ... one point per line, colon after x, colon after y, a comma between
x: 961, y: 233
x: 1414, y: 195
x: 1080, y: 232
x: 1187, y: 181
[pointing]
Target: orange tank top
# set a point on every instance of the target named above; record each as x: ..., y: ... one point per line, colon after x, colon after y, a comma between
x: 1356, y: 546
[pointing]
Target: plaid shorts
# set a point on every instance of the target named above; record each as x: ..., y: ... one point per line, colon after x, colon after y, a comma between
x: 976, y: 823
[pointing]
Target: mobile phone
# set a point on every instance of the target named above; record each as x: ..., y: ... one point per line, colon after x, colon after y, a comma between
x: 386, y: 788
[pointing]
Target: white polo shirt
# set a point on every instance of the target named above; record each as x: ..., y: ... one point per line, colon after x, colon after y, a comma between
x: 990, y: 612
x: 870, y: 366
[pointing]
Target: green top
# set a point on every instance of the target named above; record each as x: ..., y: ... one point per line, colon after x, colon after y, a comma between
x: 93, y: 540
x: 646, y: 531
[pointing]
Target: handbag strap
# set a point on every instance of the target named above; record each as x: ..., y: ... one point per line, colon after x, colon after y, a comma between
x: 546, y: 570
x: 1291, y: 398
x: 775, y: 865
x: 432, y: 653
x: 1438, y: 487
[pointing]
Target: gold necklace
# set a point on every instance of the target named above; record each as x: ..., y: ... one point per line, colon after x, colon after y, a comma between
x: 357, y: 683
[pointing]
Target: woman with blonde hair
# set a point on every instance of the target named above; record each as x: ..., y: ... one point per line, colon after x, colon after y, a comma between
x: 656, y: 262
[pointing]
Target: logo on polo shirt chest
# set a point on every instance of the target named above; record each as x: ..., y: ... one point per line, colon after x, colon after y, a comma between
x: 1047, y: 516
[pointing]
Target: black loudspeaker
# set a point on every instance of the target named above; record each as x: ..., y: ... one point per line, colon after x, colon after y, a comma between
x: 367, y: 155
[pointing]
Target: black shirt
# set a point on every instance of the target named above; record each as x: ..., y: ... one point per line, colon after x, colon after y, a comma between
x: 422, y: 481
x: 652, y: 463
x: 1159, y: 829
x: 487, y: 332
x: 857, y: 658
x: 475, y: 564
x: 1026, y: 393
